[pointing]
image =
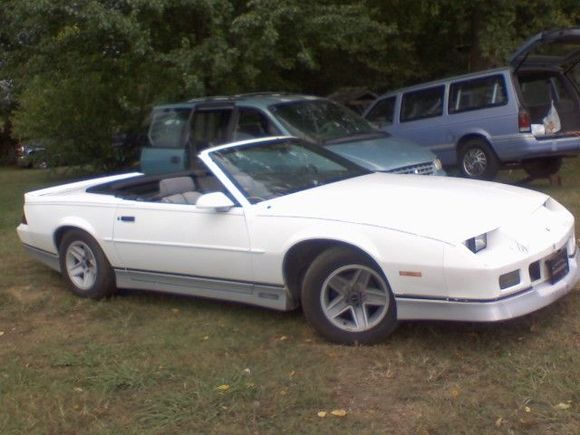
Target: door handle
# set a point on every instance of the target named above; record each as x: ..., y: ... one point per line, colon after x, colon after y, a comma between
x: 175, y: 160
x: 126, y: 218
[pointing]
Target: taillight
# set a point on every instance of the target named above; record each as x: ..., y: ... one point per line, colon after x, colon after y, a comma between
x: 524, y: 121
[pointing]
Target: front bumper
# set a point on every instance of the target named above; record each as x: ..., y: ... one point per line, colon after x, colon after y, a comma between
x: 508, y: 307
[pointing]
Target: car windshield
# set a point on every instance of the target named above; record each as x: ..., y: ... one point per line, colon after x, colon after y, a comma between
x: 322, y: 121
x: 268, y: 170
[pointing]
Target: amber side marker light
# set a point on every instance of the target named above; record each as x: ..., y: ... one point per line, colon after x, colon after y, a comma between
x: 410, y: 273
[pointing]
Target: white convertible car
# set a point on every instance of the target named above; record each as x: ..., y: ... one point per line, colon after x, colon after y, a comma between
x: 280, y: 223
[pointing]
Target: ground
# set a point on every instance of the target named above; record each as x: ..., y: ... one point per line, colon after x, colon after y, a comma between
x: 151, y: 363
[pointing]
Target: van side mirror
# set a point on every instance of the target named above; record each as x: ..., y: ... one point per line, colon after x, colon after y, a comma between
x: 216, y: 201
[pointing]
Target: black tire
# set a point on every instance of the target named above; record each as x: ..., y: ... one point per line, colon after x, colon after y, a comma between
x: 477, y: 160
x: 80, y: 252
x: 542, y: 168
x: 344, y: 263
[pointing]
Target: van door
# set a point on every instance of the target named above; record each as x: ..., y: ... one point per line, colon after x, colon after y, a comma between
x: 211, y: 124
x: 420, y: 118
x: 165, y: 150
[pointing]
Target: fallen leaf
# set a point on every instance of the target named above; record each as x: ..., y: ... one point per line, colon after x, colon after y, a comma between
x: 498, y: 422
x: 321, y: 414
x: 338, y: 412
x: 206, y: 337
x: 223, y: 387
x: 292, y: 373
x: 455, y: 392
x: 78, y: 389
x: 1, y: 333
x: 528, y: 409
x: 283, y: 392
x: 283, y: 338
x: 563, y: 406
x: 247, y: 371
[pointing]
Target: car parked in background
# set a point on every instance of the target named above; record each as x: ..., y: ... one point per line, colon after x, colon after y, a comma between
x: 32, y: 156
x: 489, y: 119
x: 178, y: 132
x: 282, y: 223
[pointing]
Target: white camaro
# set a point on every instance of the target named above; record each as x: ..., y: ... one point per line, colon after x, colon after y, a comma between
x: 280, y: 223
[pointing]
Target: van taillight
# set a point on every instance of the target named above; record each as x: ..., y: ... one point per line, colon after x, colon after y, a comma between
x: 524, y: 121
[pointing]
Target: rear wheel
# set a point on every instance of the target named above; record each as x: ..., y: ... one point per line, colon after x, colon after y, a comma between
x: 347, y: 299
x: 85, y: 267
x: 542, y: 168
x: 477, y: 160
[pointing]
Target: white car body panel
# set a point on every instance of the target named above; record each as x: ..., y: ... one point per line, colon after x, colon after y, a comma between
x: 403, y: 222
x: 182, y: 239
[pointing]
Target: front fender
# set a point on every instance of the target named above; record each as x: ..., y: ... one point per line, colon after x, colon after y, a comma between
x: 393, y: 251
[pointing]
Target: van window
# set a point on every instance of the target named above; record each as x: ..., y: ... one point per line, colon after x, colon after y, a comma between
x: 425, y: 103
x: 210, y: 127
x: 477, y: 94
x: 382, y: 113
x: 253, y: 124
x: 167, y: 128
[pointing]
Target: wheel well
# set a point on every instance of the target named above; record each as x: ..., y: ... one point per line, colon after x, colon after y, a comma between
x: 300, y: 256
x: 59, y: 234
x: 463, y: 141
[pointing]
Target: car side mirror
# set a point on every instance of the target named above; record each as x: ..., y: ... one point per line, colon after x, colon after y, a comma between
x: 217, y: 201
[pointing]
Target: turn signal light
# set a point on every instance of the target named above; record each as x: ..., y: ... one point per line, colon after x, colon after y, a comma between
x: 509, y: 279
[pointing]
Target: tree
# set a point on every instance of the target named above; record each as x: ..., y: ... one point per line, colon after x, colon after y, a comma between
x: 83, y: 70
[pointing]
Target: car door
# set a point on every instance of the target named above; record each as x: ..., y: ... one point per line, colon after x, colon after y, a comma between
x: 164, y: 150
x: 179, y: 246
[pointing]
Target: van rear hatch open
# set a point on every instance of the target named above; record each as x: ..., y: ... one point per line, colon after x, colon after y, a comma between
x: 541, y: 65
x: 553, y: 48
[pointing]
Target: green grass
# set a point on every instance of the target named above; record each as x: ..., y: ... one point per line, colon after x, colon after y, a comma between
x: 151, y: 363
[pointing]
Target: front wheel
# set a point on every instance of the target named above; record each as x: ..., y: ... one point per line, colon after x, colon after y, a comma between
x: 85, y: 267
x: 347, y: 299
x: 477, y: 160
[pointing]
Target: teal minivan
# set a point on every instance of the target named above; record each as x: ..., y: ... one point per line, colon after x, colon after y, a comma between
x: 178, y: 132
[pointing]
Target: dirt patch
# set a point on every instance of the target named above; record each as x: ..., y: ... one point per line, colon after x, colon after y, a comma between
x: 25, y: 294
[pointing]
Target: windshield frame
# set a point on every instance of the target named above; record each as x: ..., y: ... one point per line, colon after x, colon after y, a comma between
x: 215, y: 157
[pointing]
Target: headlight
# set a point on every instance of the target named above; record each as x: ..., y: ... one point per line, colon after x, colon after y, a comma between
x: 476, y: 244
x: 437, y: 164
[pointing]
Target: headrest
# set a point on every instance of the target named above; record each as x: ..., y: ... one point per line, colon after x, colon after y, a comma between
x: 171, y: 186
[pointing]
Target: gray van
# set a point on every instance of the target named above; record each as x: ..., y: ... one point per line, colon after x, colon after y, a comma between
x: 526, y: 114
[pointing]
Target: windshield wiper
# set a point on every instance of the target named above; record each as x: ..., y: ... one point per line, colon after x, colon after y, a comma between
x: 356, y: 137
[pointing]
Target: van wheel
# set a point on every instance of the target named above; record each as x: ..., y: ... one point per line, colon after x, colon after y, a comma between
x: 347, y: 300
x: 542, y: 168
x: 477, y: 160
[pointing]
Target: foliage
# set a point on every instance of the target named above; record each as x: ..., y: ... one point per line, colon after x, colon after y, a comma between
x: 84, y: 70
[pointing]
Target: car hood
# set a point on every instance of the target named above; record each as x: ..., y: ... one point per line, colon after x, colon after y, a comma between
x: 446, y: 209
x: 384, y: 153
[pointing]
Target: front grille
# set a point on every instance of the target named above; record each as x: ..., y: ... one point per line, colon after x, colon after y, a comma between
x: 420, y: 169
